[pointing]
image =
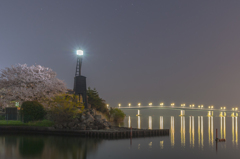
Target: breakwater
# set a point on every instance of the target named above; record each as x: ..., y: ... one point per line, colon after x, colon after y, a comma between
x: 114, y: 132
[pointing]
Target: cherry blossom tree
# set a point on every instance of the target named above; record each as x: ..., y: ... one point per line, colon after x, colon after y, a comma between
x: 22, y: 83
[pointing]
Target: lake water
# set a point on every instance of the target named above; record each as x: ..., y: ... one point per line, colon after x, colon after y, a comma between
x: 191, y: 136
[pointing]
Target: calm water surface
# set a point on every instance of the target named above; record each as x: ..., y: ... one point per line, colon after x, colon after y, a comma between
x: 192, y: 136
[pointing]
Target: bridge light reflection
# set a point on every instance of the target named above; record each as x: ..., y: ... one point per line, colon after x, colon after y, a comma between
x: 139, y: 122
x: 235, y: 130
x: 150, y: 122
x: 172, y: 131
x: 200, y: 131
x: 183, y: 131
x: 223, y: 127
x: 161, y: 122
x: 191, y: 131
x: 161, y: 144
x: 129, y: 121
x: 210, y: 131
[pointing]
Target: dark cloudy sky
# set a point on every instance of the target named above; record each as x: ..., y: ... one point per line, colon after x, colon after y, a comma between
x: 135, y: 50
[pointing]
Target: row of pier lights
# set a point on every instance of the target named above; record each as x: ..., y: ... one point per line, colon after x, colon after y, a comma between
x: 182, y: 105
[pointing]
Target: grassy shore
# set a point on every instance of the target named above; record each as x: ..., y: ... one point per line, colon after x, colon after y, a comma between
x: 43, y: 123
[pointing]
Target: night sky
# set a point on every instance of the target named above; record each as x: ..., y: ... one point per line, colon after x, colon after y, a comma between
x: 135, y: 50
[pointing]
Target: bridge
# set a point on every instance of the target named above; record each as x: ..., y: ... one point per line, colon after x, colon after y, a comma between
x: 222, y: 112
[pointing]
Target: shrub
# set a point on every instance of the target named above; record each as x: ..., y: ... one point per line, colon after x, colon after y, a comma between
x: 116, y: 114
x: 32, y: 111
x: 64, y: 108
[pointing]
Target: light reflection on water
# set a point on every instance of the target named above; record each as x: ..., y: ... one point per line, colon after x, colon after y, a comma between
x: 210, y: 119
x: 172, y: 131
x: 182, y: 131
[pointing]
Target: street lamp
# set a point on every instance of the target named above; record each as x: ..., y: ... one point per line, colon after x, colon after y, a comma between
x: 79, y: 52
x: 139, y: 104
x: 119, y: 105
x: 129, y: 104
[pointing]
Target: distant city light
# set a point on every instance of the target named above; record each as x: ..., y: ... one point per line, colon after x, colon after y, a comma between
x: 79, y: 52
x: 119, y: 105
x: 183, y: 105
x: 161, y: 104
x: 172, y: 104
x: 236, y: 109
x: 107, y: 105
x: 150, y: 104
x: 224, y: 107
x: 129, y: 104
x: 139, y: 104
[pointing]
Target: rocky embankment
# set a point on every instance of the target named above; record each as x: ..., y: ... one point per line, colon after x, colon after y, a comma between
x: 87, y: 121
